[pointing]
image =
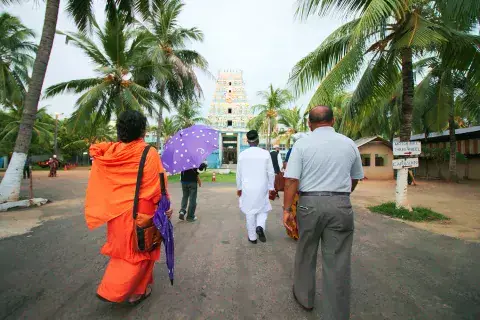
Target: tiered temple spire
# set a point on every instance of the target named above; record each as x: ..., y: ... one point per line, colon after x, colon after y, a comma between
x: 230, y: 109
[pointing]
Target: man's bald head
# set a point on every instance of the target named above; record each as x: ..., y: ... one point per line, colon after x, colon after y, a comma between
x: 320, y: 114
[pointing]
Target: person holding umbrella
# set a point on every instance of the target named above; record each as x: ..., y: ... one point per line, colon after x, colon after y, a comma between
x: 185, y: 153
x: 190, y: 182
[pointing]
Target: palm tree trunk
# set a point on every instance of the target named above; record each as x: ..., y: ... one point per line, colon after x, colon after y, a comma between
x: 452, y: 165
x: 10, y: 185
x: 159, y: 127
x: 406, y: 124
x: 269, y: 134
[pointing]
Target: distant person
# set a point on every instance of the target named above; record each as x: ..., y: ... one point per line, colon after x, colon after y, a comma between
x: 26, y: 168
x: 325, y: 167
x: 255, y: 179
x: 276, y: 159
x: 190, y: 181
x: 110, y: 194
x: 52, y: 164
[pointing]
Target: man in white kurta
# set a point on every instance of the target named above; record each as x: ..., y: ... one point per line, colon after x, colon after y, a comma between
x: 255, y: 179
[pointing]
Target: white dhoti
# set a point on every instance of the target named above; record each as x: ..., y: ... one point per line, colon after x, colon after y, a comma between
x: 255, y: 177
x: 254, y: 221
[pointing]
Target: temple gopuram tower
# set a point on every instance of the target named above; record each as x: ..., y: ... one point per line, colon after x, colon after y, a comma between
x: 229, y: 113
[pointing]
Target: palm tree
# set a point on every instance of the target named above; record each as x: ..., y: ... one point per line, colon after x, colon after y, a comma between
x: 168, y: 43
x: 188, y: 114
x: 91, y: 132
x: 81, y: 11
x: 275, y: 100
x: 384, y: 36
x: 169, y: 128
x: 444, y: 94
x: 294, y: 120
x: 119, y: 59
x: 42, y: 127
x: 16, y: 59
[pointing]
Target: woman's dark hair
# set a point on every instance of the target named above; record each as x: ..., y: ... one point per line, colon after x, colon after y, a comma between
x: 131, y: 125
x: 202, y: 167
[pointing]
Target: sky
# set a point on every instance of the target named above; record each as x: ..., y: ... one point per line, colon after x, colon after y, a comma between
x: 260, y: 37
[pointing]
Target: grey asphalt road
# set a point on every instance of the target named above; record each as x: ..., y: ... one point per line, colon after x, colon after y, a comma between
x: 398, y: 272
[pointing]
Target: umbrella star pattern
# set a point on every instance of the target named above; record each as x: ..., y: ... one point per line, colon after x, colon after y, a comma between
x: 188, y: 148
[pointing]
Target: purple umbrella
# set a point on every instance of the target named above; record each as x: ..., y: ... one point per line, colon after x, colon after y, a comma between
x: 188, y: 148
x: 164, y: 225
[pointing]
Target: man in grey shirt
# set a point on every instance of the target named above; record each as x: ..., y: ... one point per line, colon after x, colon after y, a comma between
x: 325, y: 168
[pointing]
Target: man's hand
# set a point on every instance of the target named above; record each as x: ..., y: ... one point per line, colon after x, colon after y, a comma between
x: 199, y: 183
x: 169, y: 213
x: 239, y: 193
x: 287, y: 217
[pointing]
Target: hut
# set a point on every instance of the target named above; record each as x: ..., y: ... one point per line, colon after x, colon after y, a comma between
x: 377, y: 156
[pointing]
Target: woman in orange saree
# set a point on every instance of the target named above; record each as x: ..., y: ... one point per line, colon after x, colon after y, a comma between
x: 109, y: 200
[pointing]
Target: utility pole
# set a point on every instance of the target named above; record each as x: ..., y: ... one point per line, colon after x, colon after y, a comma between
x: 55, y: 148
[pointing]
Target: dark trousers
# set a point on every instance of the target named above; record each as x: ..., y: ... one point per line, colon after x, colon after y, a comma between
x: 328, y: 219
x: 26, y: 172
x: 189, y: 196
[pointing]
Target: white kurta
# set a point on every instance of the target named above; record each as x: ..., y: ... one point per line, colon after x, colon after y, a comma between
x: 255, y: 177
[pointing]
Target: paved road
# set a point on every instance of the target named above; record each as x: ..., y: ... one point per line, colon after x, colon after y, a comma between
x: 398, y: 272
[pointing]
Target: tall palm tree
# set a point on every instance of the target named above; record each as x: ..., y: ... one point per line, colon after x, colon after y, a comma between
x: 168, y: 43
x: 188, y: 114
x: 16, y: 59
x: 384, y: 36
x: 444, y: 94
x: 275, y: 99
x: 294, y: 120
x: 81, y: 11
x: 119, y: 59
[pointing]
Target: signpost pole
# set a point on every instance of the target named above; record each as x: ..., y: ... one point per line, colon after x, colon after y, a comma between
x: 404, y: 150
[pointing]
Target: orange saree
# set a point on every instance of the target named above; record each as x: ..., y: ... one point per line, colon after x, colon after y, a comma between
x: 109, y: 199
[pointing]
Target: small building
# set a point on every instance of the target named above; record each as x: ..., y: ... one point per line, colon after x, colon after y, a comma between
x: 434, y: 159
x: 377, y: 156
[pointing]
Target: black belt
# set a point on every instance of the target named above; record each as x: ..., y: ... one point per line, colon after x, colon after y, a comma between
x: 324, y: 193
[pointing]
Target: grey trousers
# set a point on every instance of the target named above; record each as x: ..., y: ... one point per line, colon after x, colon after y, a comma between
x: 329, y: 219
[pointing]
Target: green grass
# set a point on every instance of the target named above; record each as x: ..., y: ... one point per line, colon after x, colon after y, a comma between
x: 418, y: 213
x: 207, y: 177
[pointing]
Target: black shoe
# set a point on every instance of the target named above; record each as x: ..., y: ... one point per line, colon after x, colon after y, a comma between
x: 181, y: 215
x: 261, y: 234
x: 252, y: 241
x: 305, y: 308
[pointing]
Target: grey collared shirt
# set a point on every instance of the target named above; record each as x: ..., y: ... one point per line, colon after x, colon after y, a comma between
x: 325, y: 161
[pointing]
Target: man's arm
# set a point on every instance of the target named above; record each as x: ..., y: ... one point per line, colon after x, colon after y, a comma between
x: 270, y: 174
x: 239, y: 177
x: 356, y: 172
x: 291, y: 188
x: 198, y: 180
x: 354, y: 184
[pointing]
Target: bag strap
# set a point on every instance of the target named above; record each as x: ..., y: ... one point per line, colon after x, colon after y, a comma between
x: 139, y: 180
x: 162, y: 184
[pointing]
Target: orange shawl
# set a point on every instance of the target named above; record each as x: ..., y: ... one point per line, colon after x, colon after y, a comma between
x: 113, y: 176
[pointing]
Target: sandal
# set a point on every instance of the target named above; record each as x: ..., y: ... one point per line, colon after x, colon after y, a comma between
x: 142, y: 297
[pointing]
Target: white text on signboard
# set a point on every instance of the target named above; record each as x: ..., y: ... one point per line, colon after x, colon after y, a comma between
x: 405, y: 163
x: 407, y: 148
